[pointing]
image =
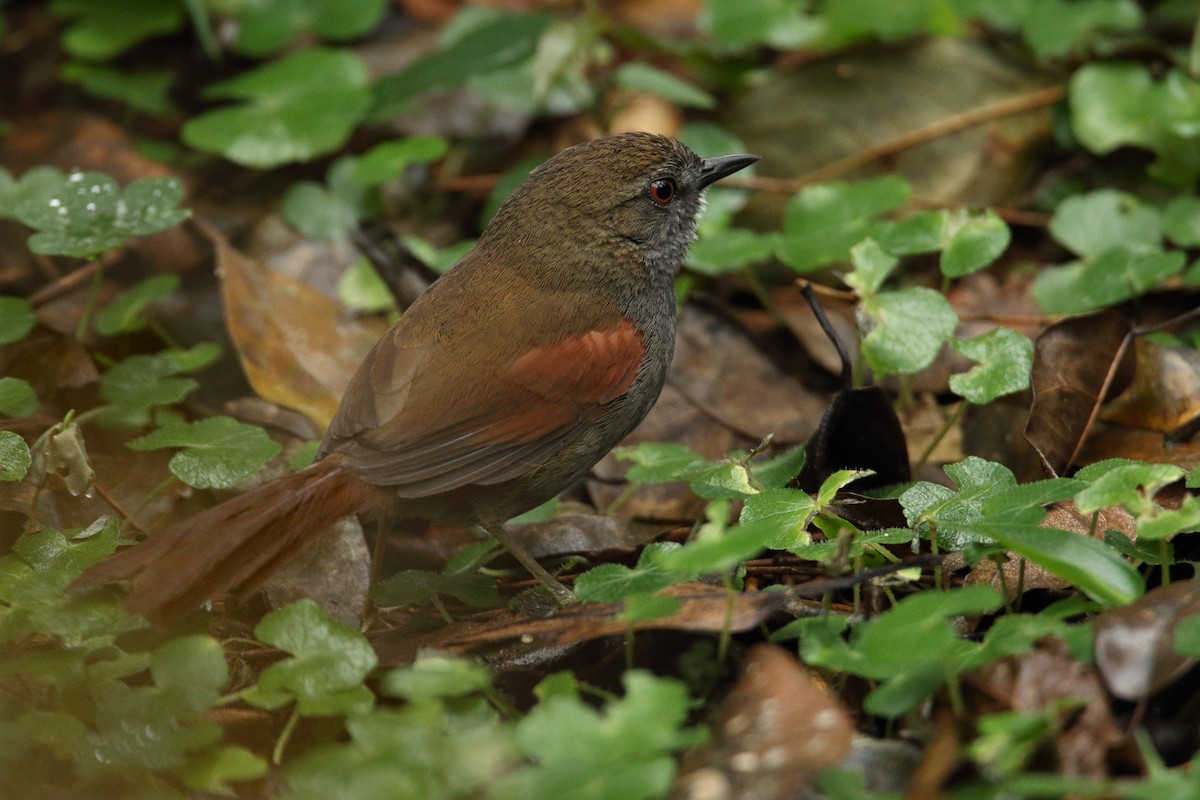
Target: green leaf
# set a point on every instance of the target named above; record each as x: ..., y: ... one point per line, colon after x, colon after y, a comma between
x: 642, y: 77
x: 14, y: 457
x: 328, y: 663
x: 910, y: 327
x: 778, y: 472
x: 1187, y: 636
x: 1181, y: 221
x: 1109, y: 105
x: 729, y: 250
x: 1005, y: 359
x: 144, y: 381
x: 1111, y: 278
x: 125, y: 314
x: 17, y: 398
x: 412, y: 586
x: 850, y: 20
x: 882, y: 649
x: 1095, y: 223
x: 388, y: 161
x: 747, y: 23
x: 300, y: 107
x: 719, y: 551
x: 192, y: 670
x: 789, y: 510
x: 1163, y: 523
x: 319, y: 213
x: 55, y: 559
x: 267, y: 25
x: 1119, y: 103
x: 218, y: 452
x: 211, y: 771
x: 495, y: 41
x: 1122, y: 482
x: 86, y: 213
x: 974, y: 242
x: 100, y: 31
x: 822, y: 223
x: 624, y: 751
x: 920, y: 233
x: 1059, y: 27
x: 1092, y: 566
x: 16, y: 319
x: 142, y: 91
x: 361, y: 289
x: 719, y: 480
x: 436, y: 677
x: 656, y: 462
x: 609, y: 583
x: 872, y: 266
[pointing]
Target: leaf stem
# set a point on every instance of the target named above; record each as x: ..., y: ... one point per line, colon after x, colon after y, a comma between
x: 950, y: 422
x: 93, y: 292
x: 284, y: 735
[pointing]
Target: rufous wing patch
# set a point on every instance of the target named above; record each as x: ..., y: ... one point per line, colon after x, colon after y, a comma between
x: 572, y: 379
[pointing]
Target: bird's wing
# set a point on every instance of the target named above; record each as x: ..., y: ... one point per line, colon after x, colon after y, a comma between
x: 410, y: 433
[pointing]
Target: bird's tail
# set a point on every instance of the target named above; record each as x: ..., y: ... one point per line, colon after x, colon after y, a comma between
x: 233, y: 546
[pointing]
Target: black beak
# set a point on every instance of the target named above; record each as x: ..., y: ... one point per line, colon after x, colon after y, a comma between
x: 719, y: 167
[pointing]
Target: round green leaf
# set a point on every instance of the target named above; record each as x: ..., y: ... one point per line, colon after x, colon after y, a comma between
x: 297, y: 108
x: 1005, y: 359
x: 1094, y: 223
x: 1108, y: 106
x: 16, y: 319
x: 317, y: 212
x: 911, y: 325
x: 975, y: 243
x: 821, y: 223
x: 267, y: 25
x: 14, y: 457
x: 218, y: 452
x: 1181, y: 221
x: 17, y: 398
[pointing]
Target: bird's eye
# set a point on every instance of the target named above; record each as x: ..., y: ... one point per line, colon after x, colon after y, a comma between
x: 661, y: 191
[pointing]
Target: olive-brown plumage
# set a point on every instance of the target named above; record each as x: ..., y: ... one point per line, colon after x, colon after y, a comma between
x: 497, y: 389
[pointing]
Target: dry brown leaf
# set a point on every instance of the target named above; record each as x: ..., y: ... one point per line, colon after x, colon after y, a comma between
x: 1073, y: 373
x: 1135, y: 644
x: 777, y: 727
x: 297, y: 346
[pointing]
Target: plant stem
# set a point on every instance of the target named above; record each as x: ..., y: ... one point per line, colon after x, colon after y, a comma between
x: 93, y: 292
x: 950, y: 422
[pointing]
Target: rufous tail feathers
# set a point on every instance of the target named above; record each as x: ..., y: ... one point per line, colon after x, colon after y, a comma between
x: 234, y: 546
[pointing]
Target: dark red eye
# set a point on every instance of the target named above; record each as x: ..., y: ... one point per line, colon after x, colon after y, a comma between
x: 661, y: 191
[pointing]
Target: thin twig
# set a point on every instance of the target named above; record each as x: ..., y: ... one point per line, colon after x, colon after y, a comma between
x: 66, y: 283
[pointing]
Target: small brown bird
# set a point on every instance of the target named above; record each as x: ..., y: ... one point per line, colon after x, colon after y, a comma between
x: 498, y: 388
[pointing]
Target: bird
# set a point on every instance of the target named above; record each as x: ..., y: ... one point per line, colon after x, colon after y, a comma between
x: 495, y: 391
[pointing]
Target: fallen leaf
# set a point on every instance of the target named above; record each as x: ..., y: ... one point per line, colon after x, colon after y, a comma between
x: 1071, y: 363
x: 777, y: 727
x: 295, y: 344
x: 1135, y: 644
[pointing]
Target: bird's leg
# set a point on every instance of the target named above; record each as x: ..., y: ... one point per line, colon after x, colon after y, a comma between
x: 561, y: 594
